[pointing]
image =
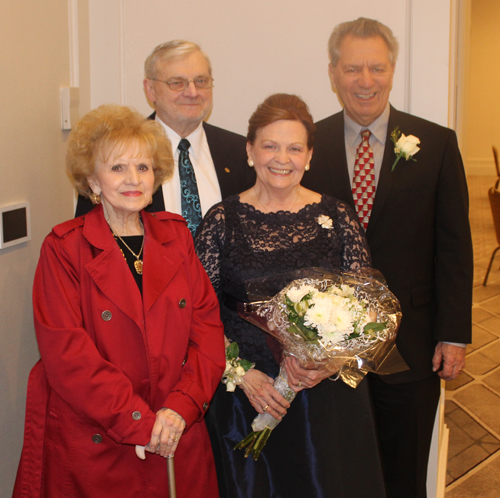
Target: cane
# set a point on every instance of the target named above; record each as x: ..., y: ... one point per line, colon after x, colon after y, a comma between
x: 139, y: 450
x: 171, y: 477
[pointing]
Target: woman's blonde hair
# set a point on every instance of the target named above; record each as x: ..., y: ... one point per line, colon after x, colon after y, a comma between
x: 108, y: 130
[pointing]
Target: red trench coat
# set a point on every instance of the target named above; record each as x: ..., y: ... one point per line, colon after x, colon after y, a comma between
x: 110, y: 360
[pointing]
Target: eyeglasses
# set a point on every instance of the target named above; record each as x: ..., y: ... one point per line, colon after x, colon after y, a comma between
x: 180, y: 84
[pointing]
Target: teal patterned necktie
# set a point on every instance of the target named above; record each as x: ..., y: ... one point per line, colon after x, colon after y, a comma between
x: 190, y: 199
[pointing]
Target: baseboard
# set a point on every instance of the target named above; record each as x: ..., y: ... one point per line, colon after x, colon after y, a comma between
x: 479, y: 166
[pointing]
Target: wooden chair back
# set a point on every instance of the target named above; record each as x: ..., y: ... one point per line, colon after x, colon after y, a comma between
x: 494, y: 196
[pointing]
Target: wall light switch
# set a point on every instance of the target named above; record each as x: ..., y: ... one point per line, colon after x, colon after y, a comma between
x: 70, y: 101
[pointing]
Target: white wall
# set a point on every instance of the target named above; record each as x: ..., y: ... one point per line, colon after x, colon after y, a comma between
x: 259, y: 47
x: 482, y: 105
x: 34, y: 55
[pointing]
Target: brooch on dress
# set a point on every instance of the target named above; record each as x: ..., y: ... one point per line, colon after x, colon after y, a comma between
x: 325, y: 221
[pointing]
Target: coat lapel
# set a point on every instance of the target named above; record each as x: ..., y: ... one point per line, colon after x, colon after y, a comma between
x: 111, y: 274
x: 109, y: 270
x: 157, y: 256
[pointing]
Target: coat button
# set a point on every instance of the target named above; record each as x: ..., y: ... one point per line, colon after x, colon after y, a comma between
x: 205, y: 406
x: 136, y: 415
x: 106, y: 315
x: 97, y: 438
x: 182, y: 303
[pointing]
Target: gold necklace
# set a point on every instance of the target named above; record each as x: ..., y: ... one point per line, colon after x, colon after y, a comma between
x: 138, y: 262
x: 266, y: 210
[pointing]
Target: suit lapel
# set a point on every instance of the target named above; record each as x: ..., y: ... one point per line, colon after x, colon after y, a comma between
x: 334, y: 154
x: 158, y: 203
x: 386, y: 179
x: 216, y: 151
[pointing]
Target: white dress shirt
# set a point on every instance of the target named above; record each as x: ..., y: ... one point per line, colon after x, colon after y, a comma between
x: 204, y: 169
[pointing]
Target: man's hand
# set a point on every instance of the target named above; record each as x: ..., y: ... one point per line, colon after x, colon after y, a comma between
x: 453, y: 359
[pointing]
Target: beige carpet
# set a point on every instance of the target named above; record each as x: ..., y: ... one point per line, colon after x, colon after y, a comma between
x: 473, y: 400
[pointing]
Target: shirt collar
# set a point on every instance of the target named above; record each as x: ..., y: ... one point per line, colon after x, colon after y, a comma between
x: 378, y: 127
x: 195, y: 138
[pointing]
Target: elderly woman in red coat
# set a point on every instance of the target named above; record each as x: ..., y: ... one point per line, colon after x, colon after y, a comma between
x: 128, y: 328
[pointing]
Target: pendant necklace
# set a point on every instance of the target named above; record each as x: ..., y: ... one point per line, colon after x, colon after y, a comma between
x: 138, y: 261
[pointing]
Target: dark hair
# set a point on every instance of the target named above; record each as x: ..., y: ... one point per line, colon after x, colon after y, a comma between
x: 281, y: 106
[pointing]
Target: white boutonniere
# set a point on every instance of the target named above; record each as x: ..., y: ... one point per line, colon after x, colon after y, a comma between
x: 325, y: 221
x: 404, y: 146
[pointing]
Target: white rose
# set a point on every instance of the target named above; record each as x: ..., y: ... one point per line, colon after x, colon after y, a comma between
x: 296, y: 294
x: 229, y: 367
x: 230, y: 386
x: 407, y: 145
x: 240, y: 371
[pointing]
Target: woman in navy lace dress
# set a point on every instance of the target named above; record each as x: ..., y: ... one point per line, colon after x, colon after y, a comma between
x: 325, y: 445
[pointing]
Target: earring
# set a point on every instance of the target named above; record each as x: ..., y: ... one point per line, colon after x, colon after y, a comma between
x: 250, y: 163
x: 95, y: 198
x: 307, y: 167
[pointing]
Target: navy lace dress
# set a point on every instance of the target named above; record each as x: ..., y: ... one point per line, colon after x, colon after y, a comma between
x: 325, y: 446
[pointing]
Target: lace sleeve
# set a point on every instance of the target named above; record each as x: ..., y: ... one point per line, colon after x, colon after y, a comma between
x: 356, y: 253
x: 209, y: 244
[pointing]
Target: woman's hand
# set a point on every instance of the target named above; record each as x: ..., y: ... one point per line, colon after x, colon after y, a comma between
x: 261, y: 393
x: 167, y: 430
x: 304, y: 378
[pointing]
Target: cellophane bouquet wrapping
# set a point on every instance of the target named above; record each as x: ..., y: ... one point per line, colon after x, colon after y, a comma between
x: 346, y: 322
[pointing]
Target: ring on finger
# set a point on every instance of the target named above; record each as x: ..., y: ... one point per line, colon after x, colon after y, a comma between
x: 174, y: 438
x: 265, y: 408
x: 300, y: 383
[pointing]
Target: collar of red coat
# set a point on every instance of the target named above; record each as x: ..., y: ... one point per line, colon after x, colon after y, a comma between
x: 160, y: 266
x: 95, y: 227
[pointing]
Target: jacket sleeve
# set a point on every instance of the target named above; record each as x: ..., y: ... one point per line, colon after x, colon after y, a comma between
x: 205, y: 360
x: 453, y: 252
x: 95, y: 389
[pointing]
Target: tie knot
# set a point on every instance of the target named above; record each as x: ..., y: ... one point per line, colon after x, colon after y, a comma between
x: 365, y: 135
x: 184, y: 145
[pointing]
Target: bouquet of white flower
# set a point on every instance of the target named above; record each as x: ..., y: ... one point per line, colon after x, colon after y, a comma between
x: 342, y: 321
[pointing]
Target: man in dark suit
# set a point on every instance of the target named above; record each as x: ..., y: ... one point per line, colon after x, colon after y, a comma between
x: 418, y: 233
x: 179, y: 84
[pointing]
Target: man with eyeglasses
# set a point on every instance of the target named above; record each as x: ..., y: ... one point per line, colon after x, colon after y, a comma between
x: 178, y: 83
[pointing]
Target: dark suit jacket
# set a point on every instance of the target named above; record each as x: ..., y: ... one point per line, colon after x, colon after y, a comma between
x: 419, y: 233
x: 229, y: 155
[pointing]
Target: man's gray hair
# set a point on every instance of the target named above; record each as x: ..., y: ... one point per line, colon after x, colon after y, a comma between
x: 362, y: 28
x: 175, y: 49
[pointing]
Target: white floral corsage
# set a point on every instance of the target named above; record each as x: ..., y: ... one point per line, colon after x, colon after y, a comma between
x: 236, y: 368
x: 404, y: 146
x: 325, y: 221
